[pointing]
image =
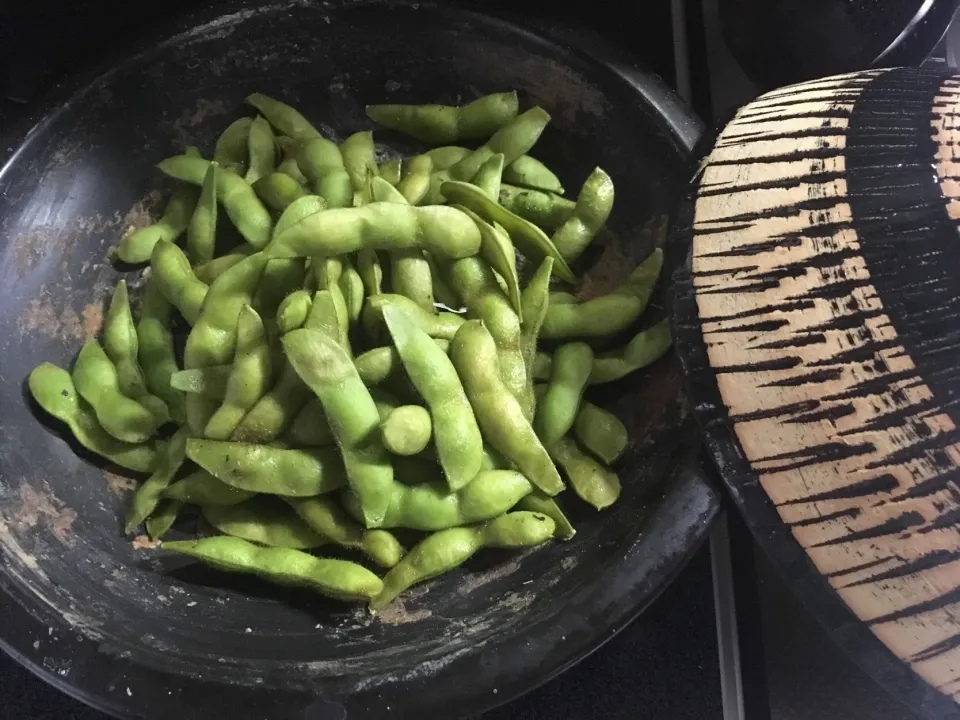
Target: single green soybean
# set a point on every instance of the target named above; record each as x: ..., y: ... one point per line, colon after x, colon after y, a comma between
x: 54, y: 391
x: 406, y: 430
x: 593, y: 482
x: 529, y: 172
x: 529, y: 239
x: 202, y: 230
x: 594, y: 204
x: 327, y: 370
x: 310, y: 428
x: 95, y: 378
x: 359, y: 159
x: 156, y: 352
x: 121, y: 344
x: 265, y: 521
x: 329, y: 520
x: 286, y: 119
x: 600, y: 432
x: 546, y: 210
x: 447, y: 549
x: 442, y: 231
x: 416, y: 179
x: 211, y: 381
x: 489, y: 176
x: 270, y: 470
x: 557, y: 410
x: 351, y: 287
x: 202, y: 488
x: 456, y: 432
x: 149, y: 495
x: 500, y: 415
x: 240, y: 202
x: 297, y: 210
x: 438, y: 124
x: 338, y: 579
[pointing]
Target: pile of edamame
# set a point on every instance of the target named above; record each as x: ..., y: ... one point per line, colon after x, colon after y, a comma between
x: 367, y: 360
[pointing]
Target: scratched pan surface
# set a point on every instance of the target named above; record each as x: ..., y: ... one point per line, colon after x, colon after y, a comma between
x: 140, y: 634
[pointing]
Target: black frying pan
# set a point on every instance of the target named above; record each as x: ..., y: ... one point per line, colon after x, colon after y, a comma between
x: 144, y: 634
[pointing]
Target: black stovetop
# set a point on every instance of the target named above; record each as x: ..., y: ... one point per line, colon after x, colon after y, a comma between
x: 666, y: 665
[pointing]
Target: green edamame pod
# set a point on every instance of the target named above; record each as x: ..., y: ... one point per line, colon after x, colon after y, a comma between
x: 456, y: 432
x: 442, y: 231
x: 275, y: 411
x: 279, y: 279
x: 95, y: 378
x: 563, y: 298
x: 378, y: 364
x: 390, y: 170
x: 406, y: 430
x: 541, y: 366
x: 310, y: 428
x: 436, y: 325
x: 269, y: 470
x: 437, y: 124
x: 328, y: 273
x: 202, y: 488
x: 249, y: 379
x: 594, y: 204
x: 429, y: 505
x: 592, y: 482
x: 293, y: 311
x: 54, y: 391
x: 265, y: 521
x: 283, y: 117
x: 148, y: 495
x: 230, y: 151
x: 447, y: 549
x: 202, y: 230
x: 489, y: 175
x: 241, y: 203
x: 338, y: 579
x: 444, y: 158
x: 297, y: 210
x: 537, y: 502
x: 278, y: 190
x: 529, y: 239
x: 208, y: 272
x: 359, y: 159
x: 327, y: 370
x: 210, y: 381
x: 513, y: 140
x: 351, y: 287
x: 163, y: 518
x: 557, y: 410
x: 288, y: 165
x: 416, y: 180
x: 529, y: 172
x: 498, y: 251
x: 474, y: 355
x: 443, y: 295
x: 371, y: 272
x: 607, y: 314
x: 535, y: 302
x: 156, y: 350
x: 546, y: 210
x: 262, y: 149
x: 137, y: 247
x: 322, y: 162
x: 600, y: 432
x: 121, y: 345
x: 330, y: 521
x: 475, y: 282
x: 646, y: 347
